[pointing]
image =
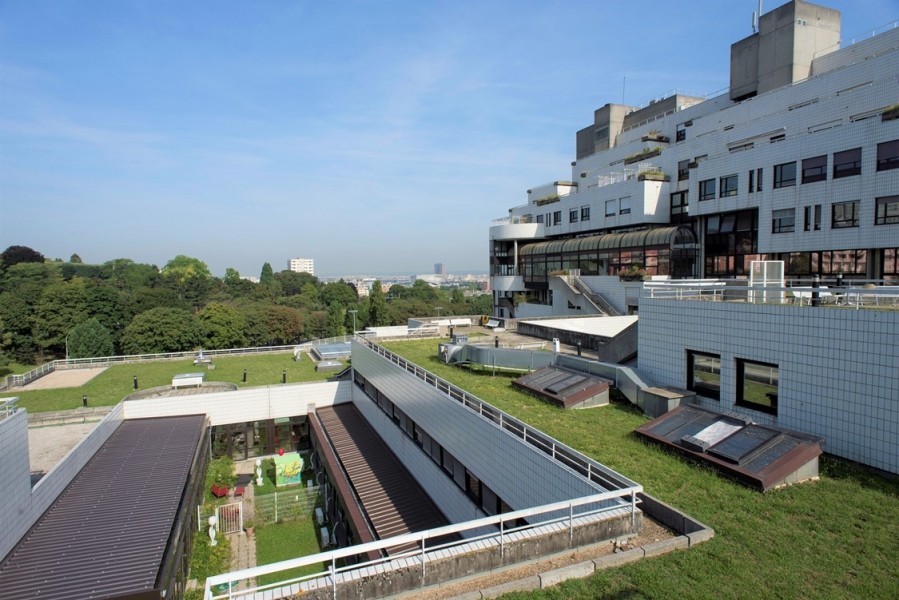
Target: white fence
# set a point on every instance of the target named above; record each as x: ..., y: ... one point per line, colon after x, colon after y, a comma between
x: 287, y: 505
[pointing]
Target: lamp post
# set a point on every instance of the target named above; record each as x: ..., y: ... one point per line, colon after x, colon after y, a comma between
x: 439, y: 308
x: 67, y: 345
x: 354, y: 320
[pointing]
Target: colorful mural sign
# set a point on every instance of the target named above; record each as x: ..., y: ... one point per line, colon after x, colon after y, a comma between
x: 288, y: 469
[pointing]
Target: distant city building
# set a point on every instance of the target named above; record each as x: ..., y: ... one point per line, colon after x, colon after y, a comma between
x: 439, y: 269
x: 302, y: 265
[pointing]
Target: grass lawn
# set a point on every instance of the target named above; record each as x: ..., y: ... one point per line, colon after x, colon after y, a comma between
x: 286, y: 540
x: 834, y: 538
x: 116, y: 382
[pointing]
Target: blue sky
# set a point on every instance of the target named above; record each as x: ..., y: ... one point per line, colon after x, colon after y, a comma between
x: 374, y: 137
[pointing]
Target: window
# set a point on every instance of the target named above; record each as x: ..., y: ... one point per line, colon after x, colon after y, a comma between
x: 812, y: 218
x: 572, y: 215
x: 757, y: 385
x: 557, y: 217
x: 845, y: 214
x: 681, y: 132
x: 888, y: 156
x: 624, y: 205
x: 728, y: 186
x: 704, y: 374
x: 751, y: 181
x: 683, y: 170
x: 758, y: 179
x: 814, y: 169
x: 539, y: 218
x: 783, y: 221
x: 847, y: 163
x: 785, y: 175
x: 680, y: 204
x: 611, y: 208
x: 777, y: 138
x: 585, y: 213
x: 887, y: 210
x: 707, y: 189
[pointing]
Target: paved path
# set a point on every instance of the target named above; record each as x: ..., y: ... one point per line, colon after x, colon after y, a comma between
x: 63, y: 378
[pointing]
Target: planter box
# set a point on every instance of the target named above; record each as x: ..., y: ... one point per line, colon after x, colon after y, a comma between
x: 653, y: 177
x: 642, y: 156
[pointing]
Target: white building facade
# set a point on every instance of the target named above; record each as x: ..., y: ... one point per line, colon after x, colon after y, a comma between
x: 804, y: 170
x: 301, y: 265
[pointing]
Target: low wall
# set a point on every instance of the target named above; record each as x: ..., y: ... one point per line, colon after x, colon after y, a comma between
x: 441, y: 570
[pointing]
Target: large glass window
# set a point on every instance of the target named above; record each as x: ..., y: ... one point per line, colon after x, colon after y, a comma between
x: 680, y: 207
x: 814, y: 169
x: 847, y: 163
x: 611, y: 208
x: 683, y: 170
x: 707, y: 189
x: 888, y: 155
x: 887, y: 210
x: 572, y: 215
x: 704, y: 374
x: 812, y: 218
x: 585, y: 213
x: 729, y: 186
x: 783, y: 221
x: 757, y: 384
x: 557, y: 217
x: 624, y: 205
x: 785, y: 175
x: 845, y: 214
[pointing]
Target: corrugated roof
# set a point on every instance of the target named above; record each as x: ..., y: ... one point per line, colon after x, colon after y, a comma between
x: 106, y: 534
x: 393, y: 500
x: 561, y: 386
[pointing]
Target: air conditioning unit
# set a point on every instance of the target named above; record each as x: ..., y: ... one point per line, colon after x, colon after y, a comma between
x: 326, y: 537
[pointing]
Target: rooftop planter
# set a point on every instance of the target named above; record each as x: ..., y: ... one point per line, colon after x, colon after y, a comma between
x: 653, y: 176
x: 643, y: 155
x: 547, y: 200
x: 655, y: 136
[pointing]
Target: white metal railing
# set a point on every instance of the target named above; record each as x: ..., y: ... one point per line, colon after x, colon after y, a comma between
x: 561, y: 453
x: 575, y: 511
x: 7, y: 407
x: 855, y: 294
x: 514, y: 220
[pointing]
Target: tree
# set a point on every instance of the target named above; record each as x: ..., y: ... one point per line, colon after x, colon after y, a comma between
x: 292, y: 283
x: 232, y: 275
x: 378, y: 314
x: 75, y: 259
x: 458, y: 296
x: 338, y: 291
x: 223, y: 326
x: 336, y: 314
x: 61, y: 307
x: 19, y: 254
x: 88, y: 339
x: 181, y: 268
x: 161, y: 330
x: 267, y: 276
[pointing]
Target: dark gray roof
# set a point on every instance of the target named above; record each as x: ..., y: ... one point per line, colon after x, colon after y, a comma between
x: 561, y: 386
x: 106, y: 534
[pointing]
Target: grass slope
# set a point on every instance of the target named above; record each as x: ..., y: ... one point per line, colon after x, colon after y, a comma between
x: 834, y: 538
x: 116, y: 382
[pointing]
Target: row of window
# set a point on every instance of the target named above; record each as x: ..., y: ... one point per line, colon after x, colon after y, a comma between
x: 757, y: 382
x: 574, y: 215
x: 843, y: 215
x: 473, y: 487
x: 846, y: 163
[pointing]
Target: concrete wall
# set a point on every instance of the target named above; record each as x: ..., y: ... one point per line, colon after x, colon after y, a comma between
x: 515, y: 471
x: 248, y: 404
x: 837, y: 366
x: 24, y: 505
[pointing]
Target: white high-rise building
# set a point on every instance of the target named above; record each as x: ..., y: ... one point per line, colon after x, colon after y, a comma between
x: 302, y: 265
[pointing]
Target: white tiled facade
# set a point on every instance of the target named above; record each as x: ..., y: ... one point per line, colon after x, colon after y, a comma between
x: 838, y: 367
x: 837, y: 108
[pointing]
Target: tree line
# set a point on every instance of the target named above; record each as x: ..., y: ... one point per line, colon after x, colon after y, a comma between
x: 53, y: 308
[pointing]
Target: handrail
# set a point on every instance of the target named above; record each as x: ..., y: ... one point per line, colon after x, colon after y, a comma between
x: 8, y: 406
x: 625, y: 497
x: 598, y: 300
x: 562, y: 453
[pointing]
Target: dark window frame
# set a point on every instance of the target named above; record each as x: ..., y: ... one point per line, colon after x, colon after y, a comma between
x: 888, y: 155
x: 572, y: 215
x: 847, y: 163
x: 782, y: 176
x: 729, y: 185
x: 783, y: 224
x: 881, y: 210
x: 705, y: 193
x: 843, y: 222
x: 814, y: 169
x: 741, y: 399
x: 585, y: 213
x: 702, y: 389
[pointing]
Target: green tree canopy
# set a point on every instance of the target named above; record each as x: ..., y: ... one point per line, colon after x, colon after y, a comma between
x: 181, y: 268
x: 336, y: 315
x: 89, y: 339
x: 223, y: 326
x: 161, y: 330
x: 378, y: 314
x: 267, y: 276
x: 60, y: 308
x: 19, y: 254
x: 292, y: 283
x: 338, y: 291
x: 75, y: 259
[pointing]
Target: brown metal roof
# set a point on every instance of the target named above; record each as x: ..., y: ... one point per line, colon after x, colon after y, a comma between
x: 561, y: 386
x: 106, y: 534
x: 757, y: 455
x: 393, y: 500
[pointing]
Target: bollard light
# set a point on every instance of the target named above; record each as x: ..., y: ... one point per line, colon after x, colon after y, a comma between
x: 135, y: 382
x: 84, y: 401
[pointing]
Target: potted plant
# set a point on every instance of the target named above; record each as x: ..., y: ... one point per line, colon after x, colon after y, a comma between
x: 636, y: 272
x: 248, y: 526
